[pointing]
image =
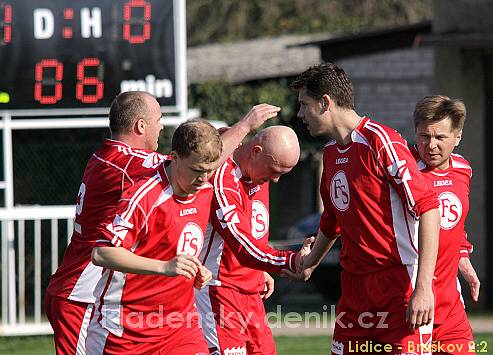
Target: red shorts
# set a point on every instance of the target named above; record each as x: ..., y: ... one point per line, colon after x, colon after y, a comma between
x: 455, y: 335
x: 69, y: 320
x: 371, y: 315
x: 234, y: 321
x: 185, y: 341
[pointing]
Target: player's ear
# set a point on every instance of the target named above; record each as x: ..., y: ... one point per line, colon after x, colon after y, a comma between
x: 458, y: 137
x: 140, y: 124
x: 256, y: 150
x: 325, y: 102
x: 173, y: 155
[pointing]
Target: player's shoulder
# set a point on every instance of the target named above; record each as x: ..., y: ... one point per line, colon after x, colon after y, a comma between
x: 121, y: 156
x: 415, y: 154
x: 459, y: 162
x: 377, y: 133
x: 147, y: 185
x: 229, y: 171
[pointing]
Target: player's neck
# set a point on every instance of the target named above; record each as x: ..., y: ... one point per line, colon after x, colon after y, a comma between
x: 344, y: 123
x: 172, y: 180
x: 240, y: 156
x: 130, y: 140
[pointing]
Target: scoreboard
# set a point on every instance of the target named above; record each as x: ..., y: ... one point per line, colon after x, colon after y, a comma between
x: 80, y: 54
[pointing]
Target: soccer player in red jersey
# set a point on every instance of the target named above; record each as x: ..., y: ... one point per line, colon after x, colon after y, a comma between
x: 236, y: 245
x: 374, y: 196
x: 439, y: 121
x: 149, y: 253
x: 135, y: 126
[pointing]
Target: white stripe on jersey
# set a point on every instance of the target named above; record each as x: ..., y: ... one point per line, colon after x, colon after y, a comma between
x: 124, y: 171
x: 253, y: 250
x: 389, y: 147
x: 83, y: 290
x: 221, y: 198
x: 458, y: 164
x: 242, y: 239
x: 405, y: 229
x: 212, y: 254
x: 141, y: 192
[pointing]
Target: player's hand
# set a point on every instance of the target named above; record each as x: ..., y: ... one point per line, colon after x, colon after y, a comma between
x: 204, y: 275
x: 183, y: 264
x: 307, y: 245
x: 420, y: 308
x: 268, y: 286
x: 467, y: 271
x: 258, y: 115
x: 304, y: 267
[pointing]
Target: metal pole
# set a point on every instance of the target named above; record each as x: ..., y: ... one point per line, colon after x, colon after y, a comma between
x: 8, y: 171
x: 179, y: 9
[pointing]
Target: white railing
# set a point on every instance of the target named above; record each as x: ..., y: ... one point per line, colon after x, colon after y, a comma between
x: 23, y: 265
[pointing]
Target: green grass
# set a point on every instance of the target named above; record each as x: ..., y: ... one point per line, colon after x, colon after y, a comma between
x: 313, y: 345
x: 39, y: 345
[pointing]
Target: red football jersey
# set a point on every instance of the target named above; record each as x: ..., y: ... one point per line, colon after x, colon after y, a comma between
x: 452, y: 187
x: 373, y: 194
x: 109, y: 171
x: 152, y: 222
x: 236, y: 246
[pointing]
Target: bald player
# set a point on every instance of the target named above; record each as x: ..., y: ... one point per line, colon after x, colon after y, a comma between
x: 236, y: 249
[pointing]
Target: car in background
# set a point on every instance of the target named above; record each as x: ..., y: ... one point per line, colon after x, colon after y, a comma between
x: 327, y: 275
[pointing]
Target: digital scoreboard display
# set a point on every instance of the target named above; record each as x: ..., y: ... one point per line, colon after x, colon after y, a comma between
x: 81, y: 54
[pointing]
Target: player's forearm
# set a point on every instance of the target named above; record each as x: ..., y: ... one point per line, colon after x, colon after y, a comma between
x: 274, y: 261
x: 232, y: 137
x: 429, y: 230
x: 466, y: 269
x: 121, y: 259
x: 251, y: 253
x: 319, y: 249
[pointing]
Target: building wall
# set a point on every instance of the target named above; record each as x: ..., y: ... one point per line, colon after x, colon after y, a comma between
x: 387, y: 85
x: 460, y: 72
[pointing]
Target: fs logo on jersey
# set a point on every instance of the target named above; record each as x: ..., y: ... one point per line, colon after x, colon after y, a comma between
x: 191, y: 240
x: 450, y: 210
x: 260, y: 219
x: 339, y: 191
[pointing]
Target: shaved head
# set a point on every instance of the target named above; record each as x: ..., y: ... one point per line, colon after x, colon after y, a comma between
x: 273, y: 152
x: 281, y: 143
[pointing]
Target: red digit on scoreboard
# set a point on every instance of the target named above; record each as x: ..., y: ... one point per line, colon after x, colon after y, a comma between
x: 6, y: 24
x: 44, y: 82
x: 130, y: 21
x: 83, y: 81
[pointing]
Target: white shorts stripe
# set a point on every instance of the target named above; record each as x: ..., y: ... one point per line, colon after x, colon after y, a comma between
x: 96, y: 336
x: 208, y: 323
x: 81, y: 342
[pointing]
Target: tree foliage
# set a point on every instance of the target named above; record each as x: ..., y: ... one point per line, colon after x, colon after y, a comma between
x: 231, y: 20
x: 211, y: 21
x: 227, y: 102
